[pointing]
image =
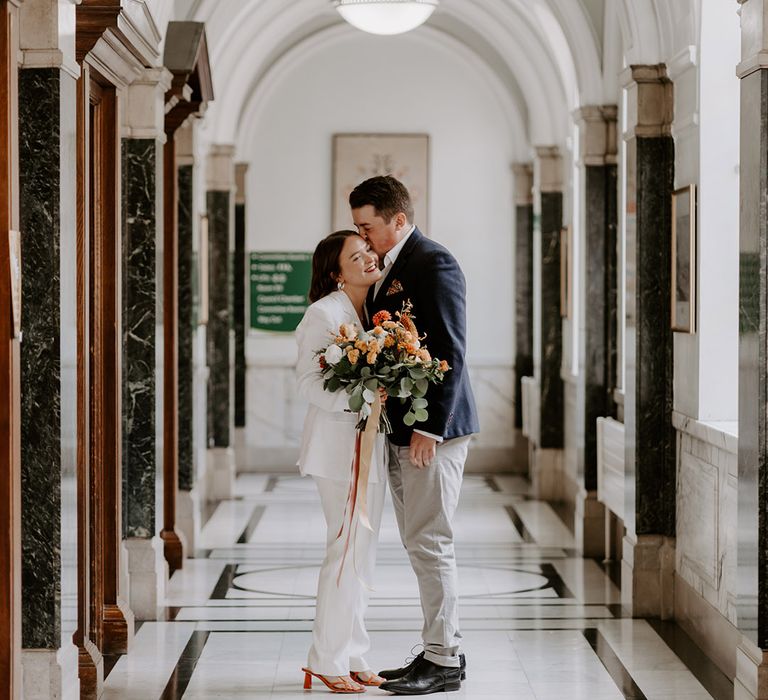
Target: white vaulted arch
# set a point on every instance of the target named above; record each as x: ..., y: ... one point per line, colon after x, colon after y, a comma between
x: 542, y: 52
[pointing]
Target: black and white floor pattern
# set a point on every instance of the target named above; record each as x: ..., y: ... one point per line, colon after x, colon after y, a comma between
x: 539, y: 622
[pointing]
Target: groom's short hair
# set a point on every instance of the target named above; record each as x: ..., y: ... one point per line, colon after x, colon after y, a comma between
x: 387, y: 195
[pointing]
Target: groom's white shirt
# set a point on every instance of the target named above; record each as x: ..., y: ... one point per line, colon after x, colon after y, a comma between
x: 328, y: 438
x: 389, y: 260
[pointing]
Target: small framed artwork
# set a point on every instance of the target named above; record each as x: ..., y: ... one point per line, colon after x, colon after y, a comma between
x: 684, y: 259
x: 357, y: 157
x: 565, y: 271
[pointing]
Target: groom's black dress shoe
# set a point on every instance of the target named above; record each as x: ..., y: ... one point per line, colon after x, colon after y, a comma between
x: 393, y: 673
x: 424, y: 678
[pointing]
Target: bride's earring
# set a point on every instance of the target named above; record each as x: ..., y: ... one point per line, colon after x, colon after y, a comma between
x: 340, y: 285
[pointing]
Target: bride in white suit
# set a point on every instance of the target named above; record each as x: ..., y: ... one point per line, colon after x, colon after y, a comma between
x: 343, y: 268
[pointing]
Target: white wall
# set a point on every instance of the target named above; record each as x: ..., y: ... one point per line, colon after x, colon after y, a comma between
x: 401, y: 84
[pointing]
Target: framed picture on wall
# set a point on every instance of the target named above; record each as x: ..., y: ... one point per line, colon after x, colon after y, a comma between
x: 565, y: 271
x: 684, y: 260
x: 356, y: 157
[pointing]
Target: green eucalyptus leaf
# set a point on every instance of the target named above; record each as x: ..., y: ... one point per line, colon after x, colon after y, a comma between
x: 419, y: 403
x: 372, y: 384
x: 417, y: 372
x: 421, y: 415
x: 409, y: 419
x: 356, y: 402
x: 422, y: 385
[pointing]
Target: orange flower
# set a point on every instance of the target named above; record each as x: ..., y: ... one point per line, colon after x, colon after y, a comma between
x: 408, y: 324
x: 361, y: 345
x: 389, y: 341
x: 423, y: 355
x: 389, y: 325
x: 348, y: 331
x: 443, y: 367
x: 353, y: 356
x: 411, y: 348
x: 371, y: 357
x: 380, y: 316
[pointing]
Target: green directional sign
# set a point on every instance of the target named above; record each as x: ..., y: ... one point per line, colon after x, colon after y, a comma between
x: 279, y: 287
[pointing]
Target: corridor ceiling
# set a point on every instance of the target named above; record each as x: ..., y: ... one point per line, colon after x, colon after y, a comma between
x: 544, y: 58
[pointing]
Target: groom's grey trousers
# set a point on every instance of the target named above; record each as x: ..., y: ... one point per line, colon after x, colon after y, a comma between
x: 425, y: 501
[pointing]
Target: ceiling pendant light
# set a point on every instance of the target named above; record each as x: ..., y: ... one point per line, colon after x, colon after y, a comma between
x: 386, y: 16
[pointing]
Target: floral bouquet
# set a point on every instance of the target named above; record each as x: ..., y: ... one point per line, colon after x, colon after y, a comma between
x: 391, y: 356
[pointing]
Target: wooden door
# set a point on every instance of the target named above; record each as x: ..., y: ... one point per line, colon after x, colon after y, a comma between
x: 103, y: 621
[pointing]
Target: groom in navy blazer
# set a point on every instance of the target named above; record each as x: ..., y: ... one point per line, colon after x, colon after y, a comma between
x: 426, y: 461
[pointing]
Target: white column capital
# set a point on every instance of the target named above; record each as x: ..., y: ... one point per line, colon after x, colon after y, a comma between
x: 649, y: 101
x: 597, y: 134
x: 144, y: 114
x: 548, y: 169
x: 47, y: 35
x: 523, y: 174
x: 185, y: 142
x: 220, y: 167
x: 240, y: 171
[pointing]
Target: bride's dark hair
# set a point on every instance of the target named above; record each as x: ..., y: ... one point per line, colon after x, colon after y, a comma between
x: 325, y: 264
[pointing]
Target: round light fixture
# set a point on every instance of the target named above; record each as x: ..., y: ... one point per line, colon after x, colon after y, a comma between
x: 386, y: 16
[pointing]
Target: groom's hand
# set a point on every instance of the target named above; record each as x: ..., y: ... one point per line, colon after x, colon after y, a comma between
x: 422, y: 450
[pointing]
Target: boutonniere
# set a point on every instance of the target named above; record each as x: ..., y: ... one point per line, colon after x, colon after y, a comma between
x: 394, y: 288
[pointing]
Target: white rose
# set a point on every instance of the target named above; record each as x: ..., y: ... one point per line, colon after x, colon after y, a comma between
x: 333, y: 354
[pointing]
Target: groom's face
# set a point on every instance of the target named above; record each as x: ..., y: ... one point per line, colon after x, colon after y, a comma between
x: 382, y: 235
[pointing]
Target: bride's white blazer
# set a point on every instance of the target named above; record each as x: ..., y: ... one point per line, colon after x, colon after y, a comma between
x: 328, y: 439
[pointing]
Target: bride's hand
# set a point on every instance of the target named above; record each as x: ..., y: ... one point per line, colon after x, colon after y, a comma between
x: 382, y: 394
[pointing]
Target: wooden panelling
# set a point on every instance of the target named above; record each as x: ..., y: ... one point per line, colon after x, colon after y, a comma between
x: 10, y: 461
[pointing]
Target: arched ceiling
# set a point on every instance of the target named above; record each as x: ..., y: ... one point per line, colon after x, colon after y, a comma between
x: 544, y: 55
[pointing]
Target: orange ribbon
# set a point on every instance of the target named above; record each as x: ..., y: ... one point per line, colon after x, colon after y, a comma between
x: 358, y: 487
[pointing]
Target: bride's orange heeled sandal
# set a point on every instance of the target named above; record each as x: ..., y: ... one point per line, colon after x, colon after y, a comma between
x: 339, y: 686
x: 373, y: 680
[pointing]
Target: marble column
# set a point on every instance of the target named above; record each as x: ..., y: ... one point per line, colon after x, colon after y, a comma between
x: 597, y: 319
x: 523, y: 174
x: 142, y: 153
x: 752, y: 532
x: 648, y: 547
x: 187, y: 498
x: 48, y: 351
x: 219, y: 201
x: 546, y: 453
x: 239, y: 291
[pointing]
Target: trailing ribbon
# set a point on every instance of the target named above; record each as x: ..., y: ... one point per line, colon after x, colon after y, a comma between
x: 358, y: 486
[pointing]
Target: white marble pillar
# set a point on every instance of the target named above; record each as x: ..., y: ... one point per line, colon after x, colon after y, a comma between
x: 752, y: 532
x: 143, y: 138
x: 47, y: 164
x: 546, y: 448
x: 220, y: 185
x: 596, y: 319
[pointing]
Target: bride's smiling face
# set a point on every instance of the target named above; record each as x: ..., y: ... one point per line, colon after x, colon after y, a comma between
x: 358, y: 264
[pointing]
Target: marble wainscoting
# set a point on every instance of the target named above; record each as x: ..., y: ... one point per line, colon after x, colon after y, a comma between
x: 275, y: 417
x: 707, y: 493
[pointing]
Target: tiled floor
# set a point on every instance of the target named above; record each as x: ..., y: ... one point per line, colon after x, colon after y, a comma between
x: 538, y: 622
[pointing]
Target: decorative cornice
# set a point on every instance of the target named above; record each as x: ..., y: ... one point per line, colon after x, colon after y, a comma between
x: 186, y: 57
x: 135, y: 28
x: 49, y: 58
